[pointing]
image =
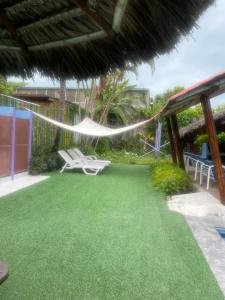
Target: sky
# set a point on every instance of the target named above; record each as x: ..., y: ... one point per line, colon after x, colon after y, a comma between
x: 198, y: 56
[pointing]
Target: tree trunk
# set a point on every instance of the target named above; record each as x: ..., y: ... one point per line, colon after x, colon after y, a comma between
x: 61, y: 111
x: 102, y: 84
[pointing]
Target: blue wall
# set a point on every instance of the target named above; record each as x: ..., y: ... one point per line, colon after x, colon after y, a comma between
x: 20, y: 114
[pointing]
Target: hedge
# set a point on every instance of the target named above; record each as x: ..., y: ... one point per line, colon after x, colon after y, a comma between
x: 169, y: 178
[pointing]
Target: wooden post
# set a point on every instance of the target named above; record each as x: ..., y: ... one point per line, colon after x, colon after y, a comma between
x: 213, y: 144
x: 172, y: 144
x: 177, y: 140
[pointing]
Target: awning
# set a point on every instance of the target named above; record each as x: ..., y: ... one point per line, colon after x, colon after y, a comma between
x: 211, y: 87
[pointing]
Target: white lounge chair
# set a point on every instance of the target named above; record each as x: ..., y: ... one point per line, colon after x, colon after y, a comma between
x: 79, y: 154
x: 88, y: 167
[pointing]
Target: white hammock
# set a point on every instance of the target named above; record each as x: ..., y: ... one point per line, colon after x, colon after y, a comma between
x: 91, y: 128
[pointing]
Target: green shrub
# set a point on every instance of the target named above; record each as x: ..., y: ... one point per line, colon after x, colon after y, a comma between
x: 103, y: 145
x: 169, y: 178
x: 44, y: 159
x: 221, y: 137
x: 127, y: 158
x: 127, y: 143
x: 201, y: 139
x: 85, y: 148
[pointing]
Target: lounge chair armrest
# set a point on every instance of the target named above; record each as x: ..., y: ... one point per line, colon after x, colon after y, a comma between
x: 91, y: 157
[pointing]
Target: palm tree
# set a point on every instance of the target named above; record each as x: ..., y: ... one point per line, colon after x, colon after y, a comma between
x: 114, y: 105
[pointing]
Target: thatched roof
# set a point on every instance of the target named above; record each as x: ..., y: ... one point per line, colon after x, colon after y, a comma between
x: 78, y: 38
x: 195, y: 126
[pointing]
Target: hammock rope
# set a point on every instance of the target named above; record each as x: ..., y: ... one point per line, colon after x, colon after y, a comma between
x: 91, y: 128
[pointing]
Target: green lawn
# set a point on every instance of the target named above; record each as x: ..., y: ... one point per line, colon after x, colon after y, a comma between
x: 99, y: 237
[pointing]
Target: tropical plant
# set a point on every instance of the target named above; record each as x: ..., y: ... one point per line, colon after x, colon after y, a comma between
x: 169, y: 178
x: 114, y: 105
x: 221, y: 137
x: 190, y: 115
x: 203, y: 138
x: 7, y: 87
x: 161, y: 99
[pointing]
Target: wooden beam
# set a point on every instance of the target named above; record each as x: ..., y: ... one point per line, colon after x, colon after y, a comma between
x: 69, y: 42
x: 11, y: 48
x: 76, y: 12
x: 177, y: 140
x: 172, y: 143
x: 94, y: 16
x: 213, y: 144
x: 119, y: 14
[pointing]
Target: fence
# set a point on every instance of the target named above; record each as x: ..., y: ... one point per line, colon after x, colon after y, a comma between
x: 44, y: 133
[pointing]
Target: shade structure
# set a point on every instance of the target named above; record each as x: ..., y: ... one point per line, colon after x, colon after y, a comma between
x: 210, y: 87
x: 86, y: 38
x: 200, y: 92
x: 91, y: 128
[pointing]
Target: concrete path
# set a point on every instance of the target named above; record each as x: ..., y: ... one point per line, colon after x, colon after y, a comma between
x: 204, y: 214
x: 10, y: 186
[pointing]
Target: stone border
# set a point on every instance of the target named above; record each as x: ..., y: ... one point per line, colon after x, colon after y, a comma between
x: 211, y: 244
x: 11, y: 186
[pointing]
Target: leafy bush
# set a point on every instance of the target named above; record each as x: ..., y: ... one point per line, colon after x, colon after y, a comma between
x: 169, y: 178
x: 103, y: 145
x: 128, y: 158
x: 190, y: 115
x: 44, y: 159
x: 127, y: 143
x: 201, y: 139
x: 120, y: 143
x: 221, y: 137
x: 85, y: 148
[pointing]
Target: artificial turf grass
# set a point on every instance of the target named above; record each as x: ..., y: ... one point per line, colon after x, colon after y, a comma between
x: 99, y: 237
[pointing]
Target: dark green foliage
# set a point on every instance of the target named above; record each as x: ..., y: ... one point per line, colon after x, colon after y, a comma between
x: 159, y: 101
x: 189, y: 115
x: 120, y: 143
x: 129, y: 144
x: 44, y: 159
x: 221, y: 137
x: 169, y: 178
x: 85, y: 148
x: 203, y: 138
x: 7, y: 87
x: 40, y: 158
x: 128, y: 158
x: 103, y: 145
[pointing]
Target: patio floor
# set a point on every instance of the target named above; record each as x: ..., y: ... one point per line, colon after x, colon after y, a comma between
x: 99, y: 237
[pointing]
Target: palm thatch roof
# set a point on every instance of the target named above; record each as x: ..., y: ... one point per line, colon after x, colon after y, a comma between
x: 86, y: 38
x: 200, y: 124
